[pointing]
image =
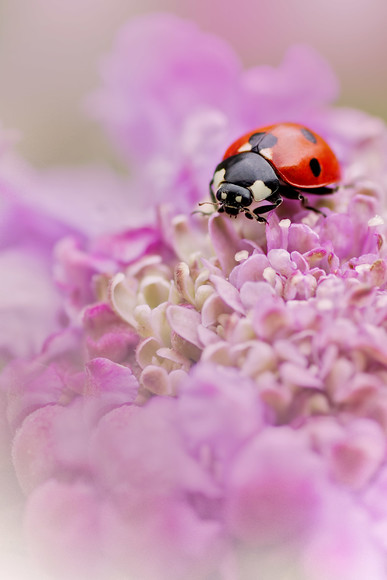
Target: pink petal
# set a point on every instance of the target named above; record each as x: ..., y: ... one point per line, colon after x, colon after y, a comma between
x: 185, y: 321
x: 228, y: 293
x: 225, y: 241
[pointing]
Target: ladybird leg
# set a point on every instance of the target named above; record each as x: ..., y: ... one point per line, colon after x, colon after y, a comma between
x: 323, y: 190
x: 304, y: 203
x: 252, y: 215
x: 292, y: 193
x: 261, y: 219
x: 276, y: 200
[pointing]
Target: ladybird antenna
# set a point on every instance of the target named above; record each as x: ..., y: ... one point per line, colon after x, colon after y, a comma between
x: 214, y: 203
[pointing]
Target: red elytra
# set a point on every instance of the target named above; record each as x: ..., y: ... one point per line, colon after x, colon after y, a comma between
x: 300, y: 157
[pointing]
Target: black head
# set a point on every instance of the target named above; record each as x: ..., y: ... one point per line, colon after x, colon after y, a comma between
x: 233, y: 198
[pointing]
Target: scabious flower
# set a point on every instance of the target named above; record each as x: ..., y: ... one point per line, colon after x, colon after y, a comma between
x: 212, y: 402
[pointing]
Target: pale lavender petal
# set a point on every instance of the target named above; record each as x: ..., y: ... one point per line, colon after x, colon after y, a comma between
x: 225, y: 241
x: 253, y: 292
x: 302, y: 238
x: 214, y: 307
x: 228, y: 293
x: 62, y: 518
x: 129, y: 246
x: 250, y: 270
x: 281, y: 261
x: 184, y: 321
x: 74, y: 272
x: 270, y: 497
x: 136, y: 105
x: 39, y: 453
x: 107, y: 335
x: 303, y: 81
x: 30, y: 305
x: 115, y: 383
x: 277, y: 233
x: 217, y: 414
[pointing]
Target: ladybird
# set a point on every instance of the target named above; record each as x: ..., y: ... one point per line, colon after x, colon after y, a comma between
x: 268, y: 164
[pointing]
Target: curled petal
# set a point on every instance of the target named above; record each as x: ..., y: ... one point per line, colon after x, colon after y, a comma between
x: 155, y: 379
x: 184, y: 321
x: 122, y: 298
x: 184, y: 282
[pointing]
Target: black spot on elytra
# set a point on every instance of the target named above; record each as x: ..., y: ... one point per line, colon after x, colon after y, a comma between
x: 308, y: 135
x: 260, y: 141
x: 315, y: 166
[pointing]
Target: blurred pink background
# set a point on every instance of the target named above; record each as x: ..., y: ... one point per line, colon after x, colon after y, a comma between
x: 50, y: 52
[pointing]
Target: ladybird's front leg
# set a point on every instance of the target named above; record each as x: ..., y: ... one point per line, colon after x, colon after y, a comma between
x: 253, y: 216
x: 275, y: 199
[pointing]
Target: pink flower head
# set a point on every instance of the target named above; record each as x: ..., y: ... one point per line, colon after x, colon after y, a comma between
x: 210, y: 396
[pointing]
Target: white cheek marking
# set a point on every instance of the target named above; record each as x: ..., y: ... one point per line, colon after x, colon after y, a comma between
x: 259, y: 190
x: 223, y: 195
x: 266, y: 153
x: 218, y: 178
x: 238, y: 198
x: 244, y: 147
